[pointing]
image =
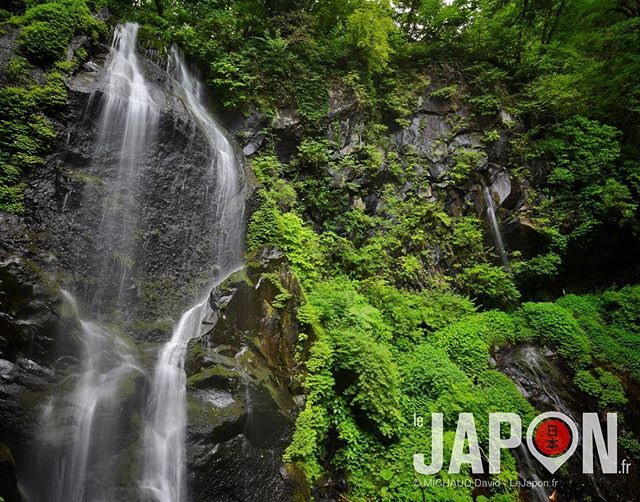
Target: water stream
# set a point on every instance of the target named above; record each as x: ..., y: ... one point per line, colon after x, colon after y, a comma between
x: 547, y: 388
x: 127, y: 132
x: 495, y: 228
x: 165, y: 429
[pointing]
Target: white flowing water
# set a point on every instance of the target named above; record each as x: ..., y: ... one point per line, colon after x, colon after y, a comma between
x: 127, y: 129
x: 165, y: 429
x: 495, y: 228
x: 87, y: 432
x: 541, y: 381
x: 80, y: 429
x: 91, y: 409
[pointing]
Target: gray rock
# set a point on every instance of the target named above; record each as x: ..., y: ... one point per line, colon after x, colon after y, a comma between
x: 501, y: 186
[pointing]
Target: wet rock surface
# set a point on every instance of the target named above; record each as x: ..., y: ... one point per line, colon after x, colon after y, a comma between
x: 66, y: 198
x: 241, y: 383
x: 28, y: 323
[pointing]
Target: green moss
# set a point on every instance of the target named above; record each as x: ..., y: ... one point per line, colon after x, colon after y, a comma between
x: 211, y: 374
x: 47, y: 29
x: 280, y: 300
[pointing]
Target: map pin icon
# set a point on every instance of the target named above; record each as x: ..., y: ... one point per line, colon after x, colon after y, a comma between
x: 552, y: 464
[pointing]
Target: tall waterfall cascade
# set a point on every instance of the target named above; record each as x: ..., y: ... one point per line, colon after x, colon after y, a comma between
x: 80, y: 432
x: 164, y: 433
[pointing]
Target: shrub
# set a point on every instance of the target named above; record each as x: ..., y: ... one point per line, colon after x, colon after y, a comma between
x: 555, y: 326
x: 48, y: 28
x: 491, y: 286
x: 538, y: 269
x: 286, y: 231
x: 605, y: 386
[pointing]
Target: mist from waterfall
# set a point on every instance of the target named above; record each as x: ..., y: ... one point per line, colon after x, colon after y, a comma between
x: 165, y: 428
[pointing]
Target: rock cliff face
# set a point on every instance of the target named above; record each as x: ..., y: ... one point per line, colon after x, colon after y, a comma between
x: 242, y: 374
x: 441, y: 136
x: 28, y: 326
x: 66, y: 200
x: 246, y: 367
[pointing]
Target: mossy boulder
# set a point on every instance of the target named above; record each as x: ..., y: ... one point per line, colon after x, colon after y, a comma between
x: 242, y: 378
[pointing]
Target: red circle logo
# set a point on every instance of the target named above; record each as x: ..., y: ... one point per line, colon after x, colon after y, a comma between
x: 552, y: 437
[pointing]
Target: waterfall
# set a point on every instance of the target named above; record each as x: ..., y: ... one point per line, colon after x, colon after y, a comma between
x: 91, y: 410
x: 81, y: 429
x: 547, y: 388
x: 88, y: 434
x: 165, y: 428
x: 495, y: 228
x: 126, y: 130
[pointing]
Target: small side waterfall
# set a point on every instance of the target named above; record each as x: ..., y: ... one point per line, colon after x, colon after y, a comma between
x: 164, y: 444
x: 544, y: 384
x: 165, y: 429
x: 495, y: 228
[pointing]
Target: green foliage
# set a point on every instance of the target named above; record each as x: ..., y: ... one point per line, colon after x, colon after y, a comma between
x: 313, y: 153
x: 538, y: 269
x: 382, y: 259
x: 468, y: 342
x: 231, y: 78
x: 491, y: 286
x: 486, y: 104
x: 48, y: 28
x: 446, y: 92
x: 491, y: 136
x: 583, y: 150
x: 465, y: 162
x: 368, y: 30
x: 286, y: 231
x: 25, y: 135
x: 283, y: 295
x: 18, y: 70
x: 374, y: 390
x: 554, y: 325
x: 610, y: 320
x: 605, y: 386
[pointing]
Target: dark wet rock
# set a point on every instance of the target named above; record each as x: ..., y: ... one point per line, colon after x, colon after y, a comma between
x: 27, y: 315
x: 28, y: 323
x: 8, y: 44
x: 242, y: 376
x: 8, y: 482
x: 524, y: 236
x: 429, y: 134
x: 438, y: 106
x: 345, y: 123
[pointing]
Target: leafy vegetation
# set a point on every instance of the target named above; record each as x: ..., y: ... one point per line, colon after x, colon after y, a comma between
x: 403, y: 293
x: 26, y: 107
